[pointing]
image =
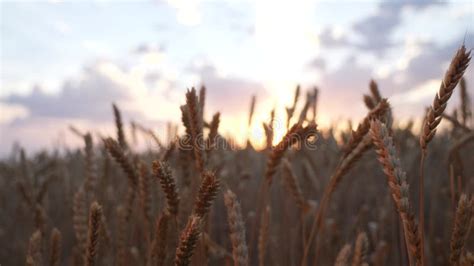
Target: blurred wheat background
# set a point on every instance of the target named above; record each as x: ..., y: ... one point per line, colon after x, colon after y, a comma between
x: 236, y: 133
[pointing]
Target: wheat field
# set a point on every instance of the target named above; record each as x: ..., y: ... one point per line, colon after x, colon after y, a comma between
x: 378, y: 194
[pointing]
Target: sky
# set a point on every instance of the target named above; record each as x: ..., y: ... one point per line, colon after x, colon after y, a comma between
x: 64, y: 62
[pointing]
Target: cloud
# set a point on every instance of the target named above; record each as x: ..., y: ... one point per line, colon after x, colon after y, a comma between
x: 11, y: 112
x: 376, y: 30
x: 89, y: 97
x: 317, y: 63
x: 333, y: 38
x: 410, y: 87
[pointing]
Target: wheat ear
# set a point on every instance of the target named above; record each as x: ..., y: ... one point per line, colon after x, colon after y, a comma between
x: 187, y: 241
x: 119, y: 127
x: 456, y: 69
x: 361, y: 250
x: 343, y: 256
x: 291, y: 110
x: 118, y: 153
x: 80, y: 219
x: 213, y: 131
x: 34, y: 257
x: 95, y: 216
x: 196, y: 124
x: 252, y: 109
x: 163, y: 172
x: 207, y: 192
x: 296, y: 134
x: 454, y: 73
x: 55, y: 248
x: 462, y: 222
x: 237, y: 229
x: 399, y: 188
x: 377, y: 112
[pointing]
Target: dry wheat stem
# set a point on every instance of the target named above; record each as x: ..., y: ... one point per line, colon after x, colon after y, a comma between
x: 263, y: 235
x: 466, y: 112
x: 293, y: 187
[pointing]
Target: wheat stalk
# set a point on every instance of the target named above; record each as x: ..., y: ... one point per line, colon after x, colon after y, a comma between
x: 158, y: 247
x: 294, y: 187
x: 263, y: 235
x: 91, y: 178
x: 466, y: 112
x: 145, y: 198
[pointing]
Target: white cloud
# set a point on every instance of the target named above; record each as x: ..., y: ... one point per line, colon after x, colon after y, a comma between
x: 10, y: 112
x: 420, y: 93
